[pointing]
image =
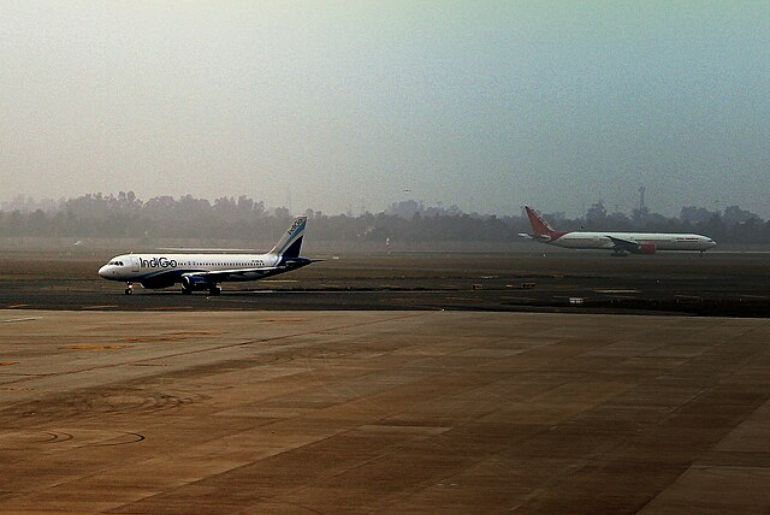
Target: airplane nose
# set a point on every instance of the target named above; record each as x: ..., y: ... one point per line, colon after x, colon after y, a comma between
x: 103, y: 271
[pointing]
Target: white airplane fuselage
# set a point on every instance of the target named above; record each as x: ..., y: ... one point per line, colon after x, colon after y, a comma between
x: 621, y: 243
x: 140, y: 268
x: 603, y: 240
x: 196, y: 271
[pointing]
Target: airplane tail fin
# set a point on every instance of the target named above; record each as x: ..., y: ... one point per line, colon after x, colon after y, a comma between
x: 290, y: 244
x: 539, y: 226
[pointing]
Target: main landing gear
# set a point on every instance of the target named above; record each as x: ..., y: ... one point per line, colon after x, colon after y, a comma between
x: 129, y: 289
x: 214, y: 289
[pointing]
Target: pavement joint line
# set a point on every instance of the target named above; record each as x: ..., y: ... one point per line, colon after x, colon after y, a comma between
x: 25, y: 319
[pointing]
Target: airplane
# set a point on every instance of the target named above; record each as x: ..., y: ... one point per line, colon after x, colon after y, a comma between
x: 196, y: 272
x: 621, y: 243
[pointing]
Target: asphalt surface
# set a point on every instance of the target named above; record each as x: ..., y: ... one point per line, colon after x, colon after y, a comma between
x: 719, y: 284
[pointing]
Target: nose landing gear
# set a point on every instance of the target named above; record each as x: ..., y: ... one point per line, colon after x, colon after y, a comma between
x: 129, y: 289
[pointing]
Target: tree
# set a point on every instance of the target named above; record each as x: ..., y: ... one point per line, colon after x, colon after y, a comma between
x: 596, y: 216
x: 735, y: 215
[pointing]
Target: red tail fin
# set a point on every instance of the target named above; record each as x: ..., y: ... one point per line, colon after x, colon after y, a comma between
x: 539, y: 226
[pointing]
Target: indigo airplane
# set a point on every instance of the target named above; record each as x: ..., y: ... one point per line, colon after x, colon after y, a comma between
x: 621, y: 243
x: 207, y: 271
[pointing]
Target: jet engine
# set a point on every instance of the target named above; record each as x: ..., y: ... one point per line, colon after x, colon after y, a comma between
x: 194, y: 282
x: 647, y: 248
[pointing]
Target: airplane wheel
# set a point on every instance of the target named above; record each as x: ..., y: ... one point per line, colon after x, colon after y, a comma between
x: 216, y: 290
x: 186, y: 291
x: 128, y: 291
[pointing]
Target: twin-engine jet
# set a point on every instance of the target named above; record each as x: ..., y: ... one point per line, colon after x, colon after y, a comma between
x: 197, y: 272
x: 620, y: 243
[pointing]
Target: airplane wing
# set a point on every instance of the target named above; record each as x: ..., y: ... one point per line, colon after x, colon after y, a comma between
x: 621, y: 245
x: 219, y: 275
x: 250, y: 274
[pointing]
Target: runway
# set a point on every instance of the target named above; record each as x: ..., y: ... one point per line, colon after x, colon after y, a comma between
x: 718, y: 284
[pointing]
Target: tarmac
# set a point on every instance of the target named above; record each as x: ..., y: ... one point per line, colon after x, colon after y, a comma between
x: 580, y: 282
x: 382, y: 411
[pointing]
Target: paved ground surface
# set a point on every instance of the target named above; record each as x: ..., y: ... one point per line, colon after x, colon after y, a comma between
x: 401, y: 412
x: 715, y: 284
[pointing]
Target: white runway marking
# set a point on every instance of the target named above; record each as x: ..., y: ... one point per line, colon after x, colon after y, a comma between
x: 8, y: 320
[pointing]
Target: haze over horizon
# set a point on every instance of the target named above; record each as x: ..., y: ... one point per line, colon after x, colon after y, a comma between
x: 335, y: 106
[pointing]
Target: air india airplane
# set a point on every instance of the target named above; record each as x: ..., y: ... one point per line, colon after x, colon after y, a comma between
x: 207, y: 271
x: 620, y: 243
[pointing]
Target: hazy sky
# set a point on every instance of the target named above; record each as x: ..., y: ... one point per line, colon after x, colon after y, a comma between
x: 337, y: 105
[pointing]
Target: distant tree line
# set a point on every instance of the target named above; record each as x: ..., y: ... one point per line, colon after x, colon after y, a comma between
x: 243, y: 218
